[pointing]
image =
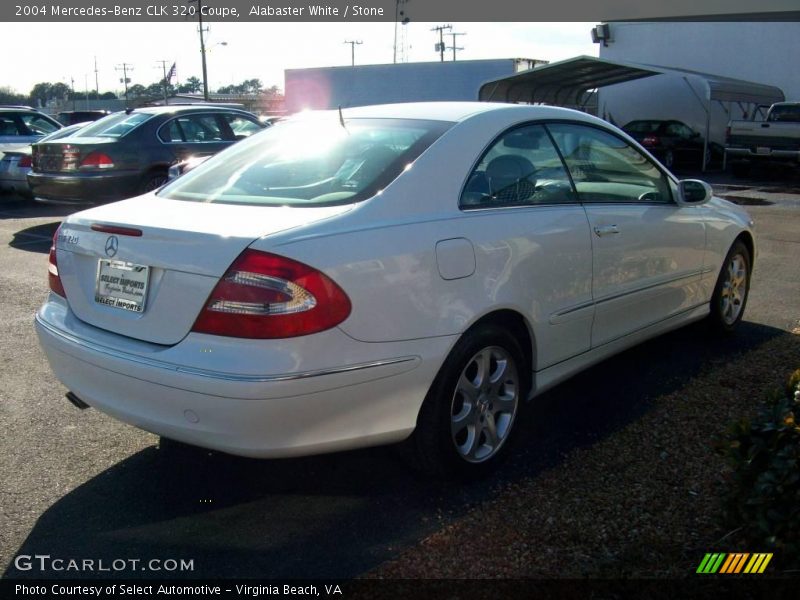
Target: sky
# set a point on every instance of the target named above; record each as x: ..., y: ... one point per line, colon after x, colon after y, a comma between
x: 60, y: 52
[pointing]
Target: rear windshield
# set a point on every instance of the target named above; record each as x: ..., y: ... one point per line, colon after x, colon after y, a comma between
x: 115, y: 125
x: 309, y: 162
x: 787, y: 112
x: 642, y: 126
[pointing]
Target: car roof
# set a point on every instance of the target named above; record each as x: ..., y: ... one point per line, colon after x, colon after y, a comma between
x: 449, y: 111
x: 20, y: 109
x: 176, y: 108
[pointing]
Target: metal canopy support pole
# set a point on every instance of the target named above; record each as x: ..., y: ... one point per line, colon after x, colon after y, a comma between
x: 706, y: 104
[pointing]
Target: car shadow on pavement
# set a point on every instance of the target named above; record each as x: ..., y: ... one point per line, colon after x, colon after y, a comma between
x: 38, y: 238
x: 340, y: 515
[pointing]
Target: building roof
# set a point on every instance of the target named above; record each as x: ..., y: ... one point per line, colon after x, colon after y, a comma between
x: 567, y: 81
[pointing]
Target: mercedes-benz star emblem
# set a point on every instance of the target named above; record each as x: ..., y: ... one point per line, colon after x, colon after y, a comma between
x: 112, y: 244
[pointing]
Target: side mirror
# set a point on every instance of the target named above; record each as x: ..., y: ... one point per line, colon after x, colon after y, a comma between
x: 693, y: 192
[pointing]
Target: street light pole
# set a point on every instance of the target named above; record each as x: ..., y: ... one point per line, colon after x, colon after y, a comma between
x: 202, y: 47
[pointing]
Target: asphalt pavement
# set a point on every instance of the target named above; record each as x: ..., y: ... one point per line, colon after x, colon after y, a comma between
x: 78, y: 484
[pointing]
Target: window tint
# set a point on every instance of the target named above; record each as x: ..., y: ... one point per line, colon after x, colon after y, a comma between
x: 521, y: 168
x: 171, y: 132
x: 241, y: 126
x: 642, y: 126
x: 606, y: 169
x: 200, y: 128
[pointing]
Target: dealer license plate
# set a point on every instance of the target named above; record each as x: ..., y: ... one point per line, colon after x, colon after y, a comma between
x: 121, y: 285
x: 763, y: 150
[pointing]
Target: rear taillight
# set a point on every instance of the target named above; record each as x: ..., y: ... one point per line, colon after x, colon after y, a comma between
x: 52, y: 269
x: 650, y: 140
x: 25, y: 162
x: 97, y: 160
x: 727, y: 134
x: 265, y: 296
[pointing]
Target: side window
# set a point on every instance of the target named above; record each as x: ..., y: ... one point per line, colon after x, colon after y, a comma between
x: 241, y: 127
x: 606, y: 169
x: 679, y: 130
x: 171, y: 132
x: 200, y: 128
x: 521, y: 168
x: 8, y: 125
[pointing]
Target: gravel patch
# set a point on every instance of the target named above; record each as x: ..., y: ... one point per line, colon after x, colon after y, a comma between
x: 644, y: 502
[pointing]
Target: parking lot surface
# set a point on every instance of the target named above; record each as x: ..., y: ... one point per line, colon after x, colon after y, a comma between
x: 78, y: 484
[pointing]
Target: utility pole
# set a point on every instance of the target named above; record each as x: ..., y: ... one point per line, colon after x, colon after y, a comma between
x: 353, y: 45
x: 96, y: 81
x: 397, y: 18
x: 72, y: 85
x: 125, y: 67
x: 202, y: 46
x: 86, y: 89
x: 164, y: 82
x: 440, y: 45
x: 453, y: 47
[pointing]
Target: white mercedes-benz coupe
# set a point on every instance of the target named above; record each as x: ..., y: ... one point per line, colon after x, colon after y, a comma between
x: 365, y: 276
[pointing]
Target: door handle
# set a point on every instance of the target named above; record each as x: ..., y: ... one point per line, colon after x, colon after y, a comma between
x: 607, y: 230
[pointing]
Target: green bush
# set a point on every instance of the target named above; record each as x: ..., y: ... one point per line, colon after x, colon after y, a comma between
x: 764, y: 499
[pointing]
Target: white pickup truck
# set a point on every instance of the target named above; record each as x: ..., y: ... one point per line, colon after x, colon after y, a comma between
x: 775, y: 139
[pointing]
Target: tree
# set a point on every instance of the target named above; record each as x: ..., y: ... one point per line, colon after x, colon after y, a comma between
x: 190, y: 86
x: 9, y: 96
x: 137, y: 90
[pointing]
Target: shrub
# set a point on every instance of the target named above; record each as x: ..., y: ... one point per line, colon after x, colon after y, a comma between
x: 764, y: 499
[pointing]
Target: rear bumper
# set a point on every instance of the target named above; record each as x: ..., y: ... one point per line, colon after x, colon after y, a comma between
x: 775, y: 155
x: 84, y: 188
x: 368, y: 400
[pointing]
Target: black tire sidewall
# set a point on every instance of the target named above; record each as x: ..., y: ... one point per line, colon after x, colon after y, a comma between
x: 437, y: 454
x: 717, y: 321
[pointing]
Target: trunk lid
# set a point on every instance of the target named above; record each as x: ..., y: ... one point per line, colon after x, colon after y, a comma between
x: 186, y: 246
x: 64, y: 155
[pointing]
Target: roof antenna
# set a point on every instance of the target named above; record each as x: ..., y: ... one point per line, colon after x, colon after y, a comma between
x: 341, y: 118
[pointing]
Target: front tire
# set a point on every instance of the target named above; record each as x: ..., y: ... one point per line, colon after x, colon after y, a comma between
x: 733, y: 287
x: 467, y: 419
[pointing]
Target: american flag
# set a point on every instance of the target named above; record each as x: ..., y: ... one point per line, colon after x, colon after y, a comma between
x: 171, y: 73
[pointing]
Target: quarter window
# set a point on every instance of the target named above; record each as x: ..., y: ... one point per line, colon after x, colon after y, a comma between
x: 242, y: 127
x: 607, y: 169
x: 521, y: 168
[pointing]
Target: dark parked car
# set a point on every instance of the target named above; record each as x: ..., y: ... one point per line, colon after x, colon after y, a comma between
x: 70, y: 117
x: 672, y: 142
x: 129, y: 153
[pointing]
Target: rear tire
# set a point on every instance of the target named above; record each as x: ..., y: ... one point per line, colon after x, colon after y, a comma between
x: 466, y: 422
x: 153, y: 181
x: 733, y: 287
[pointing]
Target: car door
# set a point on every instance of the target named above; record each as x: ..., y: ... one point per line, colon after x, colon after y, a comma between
x: 528, y: 223
x: 647, y: 251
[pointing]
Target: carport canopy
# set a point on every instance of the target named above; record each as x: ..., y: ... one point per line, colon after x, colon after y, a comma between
x: 566, y: 83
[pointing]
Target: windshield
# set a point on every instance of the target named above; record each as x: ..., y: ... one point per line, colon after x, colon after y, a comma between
x: 115, y: 125
x: 309, y: 162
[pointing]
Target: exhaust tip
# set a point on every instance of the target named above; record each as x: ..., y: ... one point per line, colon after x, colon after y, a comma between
x: 75, y: 401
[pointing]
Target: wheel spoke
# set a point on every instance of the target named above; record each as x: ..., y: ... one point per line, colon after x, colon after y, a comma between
x: 491, y: 431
